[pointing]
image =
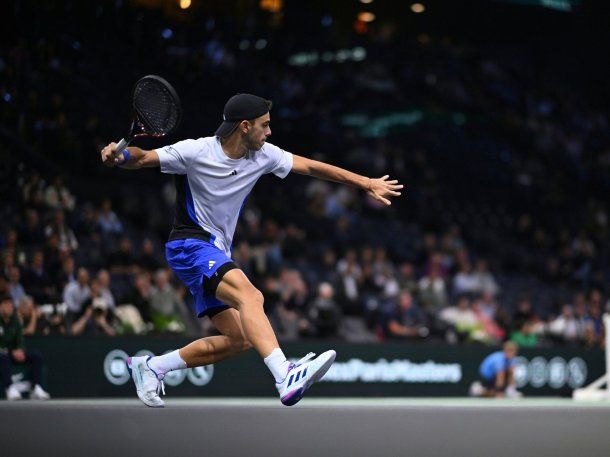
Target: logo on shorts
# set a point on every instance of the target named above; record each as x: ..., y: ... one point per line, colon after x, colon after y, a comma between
x: 211, y: 263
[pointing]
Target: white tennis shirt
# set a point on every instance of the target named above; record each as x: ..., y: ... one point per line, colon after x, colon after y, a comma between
x: 216, y: 186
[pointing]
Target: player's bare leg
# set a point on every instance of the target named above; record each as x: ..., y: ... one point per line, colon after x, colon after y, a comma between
x: 238, y: 292
x: 291, y: 379
x: 213, y: 349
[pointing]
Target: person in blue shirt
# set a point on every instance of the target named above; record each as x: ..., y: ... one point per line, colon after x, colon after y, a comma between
x: 497, y: 373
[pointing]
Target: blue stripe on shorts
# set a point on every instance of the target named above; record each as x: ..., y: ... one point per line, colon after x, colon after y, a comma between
x: 192, y: 260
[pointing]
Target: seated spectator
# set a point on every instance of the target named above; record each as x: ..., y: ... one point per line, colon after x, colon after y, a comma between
x: 122, y: 261
x: 404, y: 319
x: 432, y: 290
x: 523, y: 313
x: 11, y: 244
x: 37, y: 282
x: 76, y: 294
x: 465, y: 281
x: 324, y: 313
x: 31, y: 233
x: 108, y: 220
x: 67, y: 274
x: 526, y: 336
x: 406, y: 278
x: 486, y: 284
x: 13, y: 351
x: 595, y: 326
x: 168, y: 309
x: 33, y: 190
x: 148, y: 260
x: 58, y: 227
x: 462, y: 319
x: 350, y: 274
x: 140, y: 296
x: 29, y: 317
x: 57, y: 196
x: 15, y: 289
x: 292, y: 305
x: 96, y: 318
x: 103, y: 279
x: 566, y: 328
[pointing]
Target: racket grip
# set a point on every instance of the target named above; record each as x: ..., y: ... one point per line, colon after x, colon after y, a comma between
x: 120, y: 147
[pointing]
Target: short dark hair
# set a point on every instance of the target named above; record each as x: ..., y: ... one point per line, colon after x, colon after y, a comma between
x: 5, y: 297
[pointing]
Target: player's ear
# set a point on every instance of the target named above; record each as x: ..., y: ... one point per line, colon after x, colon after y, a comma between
x: 245, y: 126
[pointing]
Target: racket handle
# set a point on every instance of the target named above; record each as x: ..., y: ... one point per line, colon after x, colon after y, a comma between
x: 120, y: 147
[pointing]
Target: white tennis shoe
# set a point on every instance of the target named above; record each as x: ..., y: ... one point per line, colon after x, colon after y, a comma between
x: 302, y: 375
x: 148, y: 386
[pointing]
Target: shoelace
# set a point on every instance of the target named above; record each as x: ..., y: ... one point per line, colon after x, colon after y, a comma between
x: 309, y: 356
x: 161, y: 387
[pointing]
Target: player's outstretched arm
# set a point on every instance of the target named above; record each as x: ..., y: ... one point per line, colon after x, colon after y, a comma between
x: 132, y: 157
x: 381, y: 189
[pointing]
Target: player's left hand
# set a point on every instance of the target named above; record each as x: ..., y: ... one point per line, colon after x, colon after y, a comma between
x: 381, y: 188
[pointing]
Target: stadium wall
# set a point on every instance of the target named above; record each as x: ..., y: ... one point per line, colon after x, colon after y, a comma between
x: 94, y: 367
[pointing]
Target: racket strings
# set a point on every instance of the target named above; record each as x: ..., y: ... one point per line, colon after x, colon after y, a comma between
x: 156, y: 107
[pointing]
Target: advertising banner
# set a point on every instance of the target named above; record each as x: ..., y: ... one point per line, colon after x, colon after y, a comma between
x: 95, y: 367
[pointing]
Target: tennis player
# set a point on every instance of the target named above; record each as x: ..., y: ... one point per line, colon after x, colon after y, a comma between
x: 213, y: 177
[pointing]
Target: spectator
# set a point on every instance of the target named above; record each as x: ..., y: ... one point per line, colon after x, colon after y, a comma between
x: 462, y: 318
x: 30, y: 317
x: 350, y: 280
x: 406, y: 278
x: 58, y: 197
x: 525, y: 336
x: 432, y: 290
x: 103, y: 279
x: 76, y: 294
x: 566, y: 327
x: 324, y: 313
x: 148, y: 260
x: 96, y: 319
x: 37, y: 282
x: 13, y: 351
x: 141, y: 296
x: 122, y: 261
x: 108, y: 220
x: 15, y: 289
x: 404, y: 319
x: 58, y: 227
x: 168, y: 309
x: 486, y: 284
x: 31, y: 232
x: 465, y: 281
x: 67, y: 273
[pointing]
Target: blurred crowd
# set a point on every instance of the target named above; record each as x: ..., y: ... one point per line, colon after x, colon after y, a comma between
x: 503, y: 233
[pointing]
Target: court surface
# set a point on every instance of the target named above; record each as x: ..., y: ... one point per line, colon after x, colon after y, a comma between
x: 315, y: 427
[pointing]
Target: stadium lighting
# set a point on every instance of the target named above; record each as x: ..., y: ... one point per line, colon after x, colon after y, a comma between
x: 184, y: 4
x: 366, y: 2
x: 366, y: 17
x: 418, y: 8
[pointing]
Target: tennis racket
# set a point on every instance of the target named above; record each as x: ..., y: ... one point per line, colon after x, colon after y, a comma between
x: 156, y: 110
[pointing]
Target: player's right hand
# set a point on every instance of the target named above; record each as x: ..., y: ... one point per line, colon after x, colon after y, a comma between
x: 108, y: 157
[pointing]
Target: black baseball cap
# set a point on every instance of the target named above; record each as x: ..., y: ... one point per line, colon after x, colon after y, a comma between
x: 241, y: 107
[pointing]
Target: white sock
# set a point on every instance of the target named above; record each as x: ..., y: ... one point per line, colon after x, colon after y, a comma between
x: 171, y: 361
x: 277, y: 364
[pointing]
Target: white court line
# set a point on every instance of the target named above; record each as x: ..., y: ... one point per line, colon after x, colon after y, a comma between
x: 340, y: 403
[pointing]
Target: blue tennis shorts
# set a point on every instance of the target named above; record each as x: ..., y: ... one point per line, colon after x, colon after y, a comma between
x: 200, y: 266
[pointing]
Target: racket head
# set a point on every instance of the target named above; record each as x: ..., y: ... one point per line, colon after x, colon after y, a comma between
x: 156, y: 105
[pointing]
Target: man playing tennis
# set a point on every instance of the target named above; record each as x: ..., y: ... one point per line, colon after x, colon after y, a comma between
x: 214, y: 175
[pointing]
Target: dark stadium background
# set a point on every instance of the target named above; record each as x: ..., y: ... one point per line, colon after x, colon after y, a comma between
x: 492, y: 113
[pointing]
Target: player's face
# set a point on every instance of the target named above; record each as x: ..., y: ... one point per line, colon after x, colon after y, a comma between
x: 259, y: 132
